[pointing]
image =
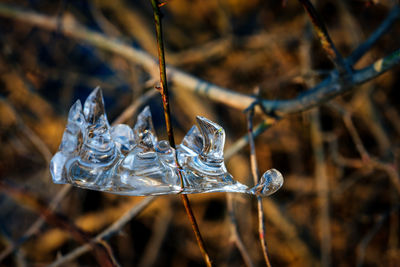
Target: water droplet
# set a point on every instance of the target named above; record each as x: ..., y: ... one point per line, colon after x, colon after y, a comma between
x: 270, y: 182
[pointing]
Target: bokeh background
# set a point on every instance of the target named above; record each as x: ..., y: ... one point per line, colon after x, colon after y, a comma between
x: 339, y: 205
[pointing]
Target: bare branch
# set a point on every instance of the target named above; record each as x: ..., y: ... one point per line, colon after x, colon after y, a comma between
x: 382, y: 29
x: 322, y: 184
x: 255, y: 173
x: 325, y: 39
x: 324, y: 91
x: 235, y: 231
x: 110, y: 231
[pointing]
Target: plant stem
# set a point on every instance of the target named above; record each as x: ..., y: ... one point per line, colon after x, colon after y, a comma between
x: 163, y: 74
x: 255, y: 173
x: 323, y: 36
x: 167, y: 114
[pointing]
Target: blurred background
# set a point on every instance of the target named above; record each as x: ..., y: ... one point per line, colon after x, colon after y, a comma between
x: 339, y: 205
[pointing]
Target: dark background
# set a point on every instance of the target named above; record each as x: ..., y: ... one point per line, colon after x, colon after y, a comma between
x: 235, y: 44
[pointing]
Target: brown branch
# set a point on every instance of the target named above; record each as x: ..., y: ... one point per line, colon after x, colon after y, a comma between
x: 243, y: 141
x: 35, y: 227
x: 322, y: 184
x: 367, y: 160
x: 324, y: 91
x: 102, y: 252
x: 106, y: 234
x: 167, y: 114
x: 323, y: 36
x: 159, y: 232
x: 362, y: 246
x: 235, y: 232
x: 131, y: 109
x: 382, y: 29
x: 256, y: 175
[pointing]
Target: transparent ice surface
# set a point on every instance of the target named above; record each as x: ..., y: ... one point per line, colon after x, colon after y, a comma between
x: 127, y: 161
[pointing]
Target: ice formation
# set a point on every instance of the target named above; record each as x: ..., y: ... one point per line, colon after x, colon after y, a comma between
x: 127, y: 161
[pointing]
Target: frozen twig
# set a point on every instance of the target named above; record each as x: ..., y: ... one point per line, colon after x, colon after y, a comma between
x: 167, y: 114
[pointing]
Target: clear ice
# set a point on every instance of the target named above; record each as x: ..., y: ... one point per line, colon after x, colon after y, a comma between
x: 127, y: 161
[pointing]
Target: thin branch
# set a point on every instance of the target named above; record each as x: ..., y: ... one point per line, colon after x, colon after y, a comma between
x: 243, y: 141
x: 256, y: 175
x: 131, y: 109
x: 348, y: 121
x: 106, y: 234
x: 167, y: 115
x: 361, y: 248
x: 235, y: 232
x: 35, y: 227
x: 321, y: 178
x: 45, y: 151
x: 367, y: 160
x: 375, y: 36
x: 102, y: 252
x: 326, y: 90
x: 163, y: 72
x: 159, y: 232
x: 326, y: 41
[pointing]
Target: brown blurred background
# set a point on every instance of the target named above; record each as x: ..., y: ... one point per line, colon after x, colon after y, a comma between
x: 339, y: 205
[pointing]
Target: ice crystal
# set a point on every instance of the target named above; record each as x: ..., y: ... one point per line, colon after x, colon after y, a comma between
x: 127, y: 161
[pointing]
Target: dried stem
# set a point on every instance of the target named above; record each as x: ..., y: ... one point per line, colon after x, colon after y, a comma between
x: 255, y: 173
x: 167, y: 115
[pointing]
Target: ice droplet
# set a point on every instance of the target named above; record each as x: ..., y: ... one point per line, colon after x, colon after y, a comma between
x: 120, y: 160
x: 270, y: 182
